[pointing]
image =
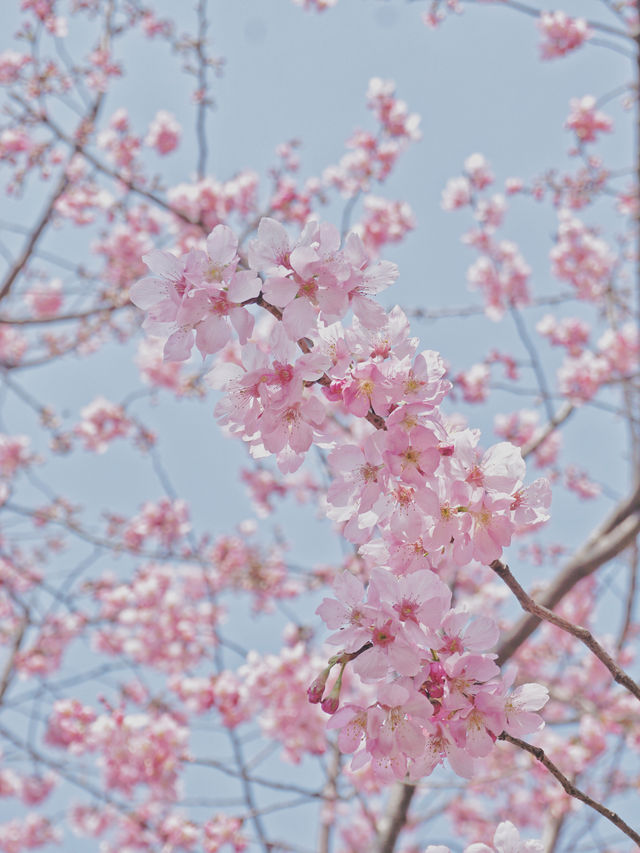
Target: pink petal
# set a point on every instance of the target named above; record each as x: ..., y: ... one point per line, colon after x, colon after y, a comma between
x: 179, y: 345
x: 222, y: 245
x: 242, y: 321
x: 212, y: 334
x: 299, y: 318
x: 146, y: 292
x: 164, y: 264
x: 280, y: 291
x: 245, y: 285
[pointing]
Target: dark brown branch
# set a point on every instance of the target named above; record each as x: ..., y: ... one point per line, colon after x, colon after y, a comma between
x: 617, y: 532
x: 577, y: 631
x: 569, y: 787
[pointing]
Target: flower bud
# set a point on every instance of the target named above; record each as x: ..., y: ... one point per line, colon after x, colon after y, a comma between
x: 315, y: 691
x: 330, y: 703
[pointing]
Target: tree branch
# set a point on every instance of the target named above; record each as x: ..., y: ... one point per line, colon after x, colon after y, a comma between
x: 569, y: 787
x: 582, y: 634
x: 617, y: 532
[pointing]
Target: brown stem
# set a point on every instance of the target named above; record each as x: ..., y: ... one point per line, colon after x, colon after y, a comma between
x: 569, y: 787
x: 577, y: 631
x: 617, y: 532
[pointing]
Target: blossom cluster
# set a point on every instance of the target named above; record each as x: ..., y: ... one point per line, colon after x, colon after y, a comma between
x: 586, y: 120
x: 446, y: 699
x: 505, y: 840
x: 500, y: 272
x: 135, y: 749
x: 371, y: 157
x: 561, y: 34
x: 412, y: 491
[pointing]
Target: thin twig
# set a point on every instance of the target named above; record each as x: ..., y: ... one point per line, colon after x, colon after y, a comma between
x: 583, y: 634
x: 614, y: 535
x: 569, y: 787
x: 523, y: 334
x: 201, y: 118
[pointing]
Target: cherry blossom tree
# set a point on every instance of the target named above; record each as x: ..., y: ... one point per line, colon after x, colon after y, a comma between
x: 417, y: 631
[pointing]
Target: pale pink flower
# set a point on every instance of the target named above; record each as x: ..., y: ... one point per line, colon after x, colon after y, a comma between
x: 164, y: 133
x: 561, y: 34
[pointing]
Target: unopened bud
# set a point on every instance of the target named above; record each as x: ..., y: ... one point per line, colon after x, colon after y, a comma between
x: 330, y: 703
x: 315, y: 691
x: 333, y: 392
x: 332, y: 700
x: 436, y: 680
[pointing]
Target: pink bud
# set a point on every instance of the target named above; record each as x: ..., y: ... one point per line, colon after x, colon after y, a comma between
x: 315, y: 691
x: 330, y: 703
x: 446, y: 449
x: 333, y: 392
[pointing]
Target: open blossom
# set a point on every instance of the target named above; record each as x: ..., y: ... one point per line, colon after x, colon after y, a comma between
x: 223, y: 832
x: 506, y: 840
x: 102, y: 422
x: 474, y: 383
x: 70, y: 725
x: 581, y: 258
x: 456, y: 194
x: 45, y: 299
x: 199, y: 295
x: 478, y: 171
x: 14, y: 454
x: 164, y: 133
x: 561, y: 34
x: 384, y: 222
x: 585, y: 120
x: 521, y: 706
x: 392, y: 729
x: 167, y: 521
x: 315, y: 279
x: 570, y: 332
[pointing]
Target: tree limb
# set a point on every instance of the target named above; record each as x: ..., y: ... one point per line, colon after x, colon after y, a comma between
x: 569, y: 787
